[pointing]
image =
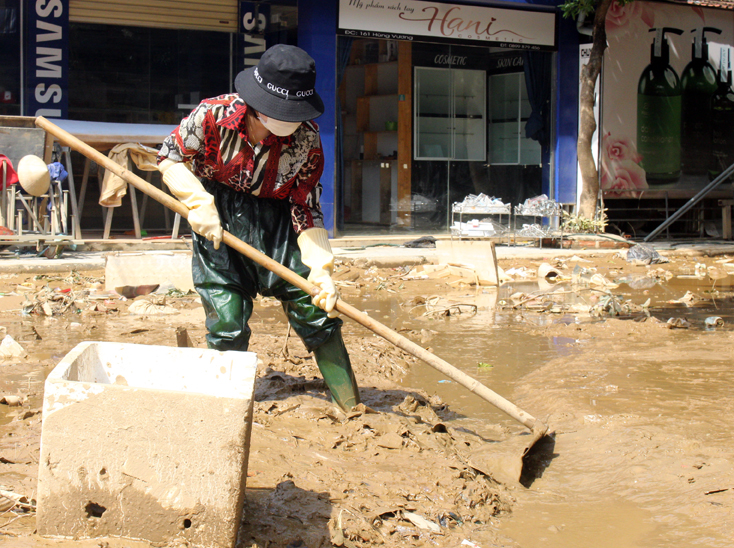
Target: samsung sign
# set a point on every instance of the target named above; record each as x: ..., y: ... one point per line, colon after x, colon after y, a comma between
x: 47, y: 58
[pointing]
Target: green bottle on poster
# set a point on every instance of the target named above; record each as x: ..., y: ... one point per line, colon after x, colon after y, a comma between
x: 722, y: 120
x: 698, y: 84
x: 659, y: 113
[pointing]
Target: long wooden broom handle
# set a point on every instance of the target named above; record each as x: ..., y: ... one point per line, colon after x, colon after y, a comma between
x: 535, y: 425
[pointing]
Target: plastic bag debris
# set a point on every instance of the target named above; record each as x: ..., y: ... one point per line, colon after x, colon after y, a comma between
x: 687, y: 299
x: 481, y: 201
x: 9, y: 348
x: 714, y: 321
x: 423, y: 241
x: 421, y: 522
x: 144, y: 307
x: 677, y: 323
x: 644, y: 254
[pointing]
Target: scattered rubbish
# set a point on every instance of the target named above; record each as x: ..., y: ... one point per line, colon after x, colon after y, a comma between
x: 710, y: 228
x: 421, y: 522
x: 642, y: 254
x: 639, y: 281
x: 549, y: 272
x: 714, y: 491
x: 476, y: 228
x: 577, y: 259
x: 533, y: 231
x: 144, y: 307
x: 688, y: 299
x: 539, y: 206
x: 12, y: 401
x: 423, y: 241
x: 600, y: 281
x: 677, y: 323
x: 520, y: 272
x: 132, y: 291
x: 10, y: 500
x: 480, y: 201
x: 714, y: 321
x: 469, y: 543
x: 9, y: 348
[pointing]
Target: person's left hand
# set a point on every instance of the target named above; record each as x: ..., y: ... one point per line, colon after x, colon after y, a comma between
x: 317, y: 255
x: 326, y: 299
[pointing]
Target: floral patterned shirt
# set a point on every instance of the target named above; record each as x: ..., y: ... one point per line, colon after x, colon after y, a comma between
x: 213, y: 139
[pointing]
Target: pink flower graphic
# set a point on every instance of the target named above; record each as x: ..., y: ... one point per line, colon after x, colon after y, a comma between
x: 620, y: 171
x: 619, y: 18
x: 624, y: 176
x: 618, y: 148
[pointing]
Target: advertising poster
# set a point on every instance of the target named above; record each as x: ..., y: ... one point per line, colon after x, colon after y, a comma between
x: 668, y: 109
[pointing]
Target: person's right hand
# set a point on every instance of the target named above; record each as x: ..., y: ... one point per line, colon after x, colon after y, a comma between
x: 204, y: 220
x: 203, y: 216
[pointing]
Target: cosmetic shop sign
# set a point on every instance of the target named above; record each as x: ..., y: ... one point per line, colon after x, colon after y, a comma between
x: 667, y: 103
x: 452, y: 23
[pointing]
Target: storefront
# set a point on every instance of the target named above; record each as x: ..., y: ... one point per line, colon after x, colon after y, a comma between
x: 424, y: 112
x: 456, y: 103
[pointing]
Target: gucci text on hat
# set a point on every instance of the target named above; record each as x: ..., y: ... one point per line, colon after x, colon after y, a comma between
x: 282, y: 85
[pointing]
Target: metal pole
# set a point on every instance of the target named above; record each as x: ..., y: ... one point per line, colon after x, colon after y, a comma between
x: 690, y: 203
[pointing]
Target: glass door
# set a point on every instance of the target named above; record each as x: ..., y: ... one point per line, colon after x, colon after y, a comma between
x: 449, y: 114
x: 509, y: 110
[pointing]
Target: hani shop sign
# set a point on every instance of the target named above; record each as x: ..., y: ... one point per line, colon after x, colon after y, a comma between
x: 518, y: 28
x: 47, y: 58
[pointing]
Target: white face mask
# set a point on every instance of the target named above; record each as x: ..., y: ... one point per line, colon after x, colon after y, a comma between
x: 281, y: 129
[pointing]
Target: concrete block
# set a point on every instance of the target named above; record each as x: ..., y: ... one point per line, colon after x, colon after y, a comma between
x: 146, y: 442
x: 473, y: 254
x: 167, y: 268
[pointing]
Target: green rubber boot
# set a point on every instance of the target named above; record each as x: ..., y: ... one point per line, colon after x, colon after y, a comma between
x: 336, y: 368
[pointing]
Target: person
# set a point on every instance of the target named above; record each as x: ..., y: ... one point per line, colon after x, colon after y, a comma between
x: 249, y: 163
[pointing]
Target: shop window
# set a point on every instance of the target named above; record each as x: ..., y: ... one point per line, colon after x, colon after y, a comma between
x: 509, y: 111
x: 449, y: 114
x: 144, y: 75
x: 10, y: 57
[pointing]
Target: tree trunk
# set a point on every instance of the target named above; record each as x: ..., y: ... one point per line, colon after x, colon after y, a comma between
x: 587, y: 127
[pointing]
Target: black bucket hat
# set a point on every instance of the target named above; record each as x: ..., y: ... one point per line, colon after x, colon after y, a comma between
x: 281, y: 86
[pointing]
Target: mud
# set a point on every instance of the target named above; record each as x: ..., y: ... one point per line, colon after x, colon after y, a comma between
x: 640, y: 408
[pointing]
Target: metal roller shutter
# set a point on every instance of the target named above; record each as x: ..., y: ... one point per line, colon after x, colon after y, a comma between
x: 176, y: 14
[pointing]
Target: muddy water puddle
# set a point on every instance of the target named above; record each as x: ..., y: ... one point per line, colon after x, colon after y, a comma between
x: 641, y: 411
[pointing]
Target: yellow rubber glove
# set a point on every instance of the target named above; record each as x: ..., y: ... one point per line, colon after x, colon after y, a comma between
x: 185, y: 186
x: 316, y: 254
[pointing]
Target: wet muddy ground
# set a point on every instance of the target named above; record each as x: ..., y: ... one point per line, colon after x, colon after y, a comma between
x: 617, y: 358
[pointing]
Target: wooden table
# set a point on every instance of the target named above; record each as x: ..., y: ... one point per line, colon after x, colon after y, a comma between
x: 104, y: 136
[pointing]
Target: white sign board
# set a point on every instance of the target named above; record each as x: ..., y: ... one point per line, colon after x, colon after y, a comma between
x: 518, y: 28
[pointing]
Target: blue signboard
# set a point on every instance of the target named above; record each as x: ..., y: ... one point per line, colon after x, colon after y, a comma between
x: 254, y: 17
x: 47, y: 58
